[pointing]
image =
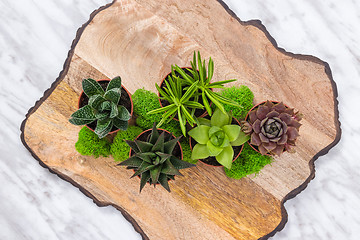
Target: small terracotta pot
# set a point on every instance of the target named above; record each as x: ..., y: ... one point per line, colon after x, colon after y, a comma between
x: 144, y: 135
x: 162, y: 102
x: 213, y: 162
x: 247, y: 117
x: 83, y: 99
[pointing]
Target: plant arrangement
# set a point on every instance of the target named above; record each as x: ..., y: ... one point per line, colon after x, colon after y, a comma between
x: 216, y: 138
x: 273, y: 127
x: 156, y: 155
x: 103, y: 107
x: 153, y: 158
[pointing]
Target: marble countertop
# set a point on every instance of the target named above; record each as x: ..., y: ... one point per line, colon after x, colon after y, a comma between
x: 35, y: 37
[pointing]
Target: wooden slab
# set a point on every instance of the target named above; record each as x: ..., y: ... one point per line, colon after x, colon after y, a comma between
x: 139, y: 40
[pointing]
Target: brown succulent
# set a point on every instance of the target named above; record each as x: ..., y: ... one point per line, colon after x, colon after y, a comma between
x: 273, y: 127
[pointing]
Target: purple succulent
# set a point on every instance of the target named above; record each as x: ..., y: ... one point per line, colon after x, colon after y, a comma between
x: 273, y: 127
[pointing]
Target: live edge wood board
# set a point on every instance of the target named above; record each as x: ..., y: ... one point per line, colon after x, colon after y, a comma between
x: 139, y: 40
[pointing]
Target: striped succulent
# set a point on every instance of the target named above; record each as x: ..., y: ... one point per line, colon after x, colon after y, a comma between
x: 103, y: 107
x: 153, y: 160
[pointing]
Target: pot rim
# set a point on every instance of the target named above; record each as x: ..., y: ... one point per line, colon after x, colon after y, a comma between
x: 235, y: 157
x: 123, y: 87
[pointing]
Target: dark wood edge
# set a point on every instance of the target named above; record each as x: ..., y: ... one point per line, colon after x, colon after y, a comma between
x: 47, y: 93
x: 296, y: 191
x: 255, y: 23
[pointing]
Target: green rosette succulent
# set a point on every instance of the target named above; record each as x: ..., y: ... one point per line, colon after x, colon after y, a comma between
x: 103, y: 107
x: 273, y: 128
x: 153, y: 160
x: 216, y: 138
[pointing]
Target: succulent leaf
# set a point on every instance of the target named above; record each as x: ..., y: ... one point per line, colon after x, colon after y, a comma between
x: 200, y: 151
x: 120, y: 124
x: 200, y: 134
x: 225, y: 157
x: 83, y: 116
x: 103, y: 127
x: 145, y: 177
x: 92, y: 87
x: 96, y: 100
x: 114, y: 83
x: 163, y: 180
x: 219, y: 118
x: 113, y: 95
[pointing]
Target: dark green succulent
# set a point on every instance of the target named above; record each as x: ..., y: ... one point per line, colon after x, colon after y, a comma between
x: 153, y: 160
x: 103, y: 107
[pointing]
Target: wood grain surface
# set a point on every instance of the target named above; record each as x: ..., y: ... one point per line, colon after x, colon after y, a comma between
x: 139, y: 40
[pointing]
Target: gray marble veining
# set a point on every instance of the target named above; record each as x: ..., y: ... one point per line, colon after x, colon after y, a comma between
x: 35, y: 37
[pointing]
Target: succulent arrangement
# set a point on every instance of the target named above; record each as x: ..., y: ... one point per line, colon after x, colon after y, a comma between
x: 180, y: 103
x: 103, y: 107
x: 153, y: 160
x: 270, y: 128
x: 216, y: 138
x: 202, y: 78
x: 273, y: 128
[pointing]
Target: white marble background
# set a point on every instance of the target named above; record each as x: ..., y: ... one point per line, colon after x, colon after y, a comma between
x: 35, y: 37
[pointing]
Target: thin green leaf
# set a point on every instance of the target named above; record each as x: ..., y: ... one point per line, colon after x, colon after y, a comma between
x: 206, y: 103
x: 213, y: 85
x: 189, y: 93
x: 162, y: 109
x: 210, y: 69
x: 214, y: 101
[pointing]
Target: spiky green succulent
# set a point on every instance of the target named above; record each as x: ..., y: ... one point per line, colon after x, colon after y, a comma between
x: 181, y: 103
x: 153, y: 160
x: 273, y: 128
x: 103, y: 107
x: 202, y: 79
x: 216, y: 137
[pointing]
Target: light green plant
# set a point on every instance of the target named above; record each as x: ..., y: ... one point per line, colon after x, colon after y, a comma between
x: 119, y: 149
x: 89, y: 144
x: 202, y: 79
x: 103, y: 107
x: 179, y: 103
x: 153, y: 160
x: 216, y: 137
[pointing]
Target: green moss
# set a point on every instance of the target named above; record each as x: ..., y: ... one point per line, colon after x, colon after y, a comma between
x: 173, y: 127
x: 119, y: 149
x: 248, y: 162
x: 89, y: 144
x: 145, y: 101
x: 242, y: 95
x: 187, y: 151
